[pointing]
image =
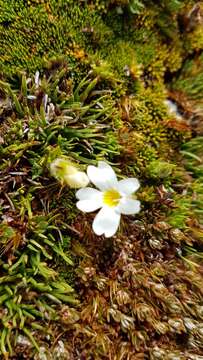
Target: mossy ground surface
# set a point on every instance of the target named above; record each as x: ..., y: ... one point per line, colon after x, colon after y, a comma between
x: 119, y: 81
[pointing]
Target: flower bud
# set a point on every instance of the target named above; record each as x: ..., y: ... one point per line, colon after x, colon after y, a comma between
x: 67, y: 173
x: 77, y: 180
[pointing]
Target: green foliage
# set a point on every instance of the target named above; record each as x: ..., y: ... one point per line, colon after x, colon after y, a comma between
x: 188, y: 205
x: 193, y: 155
x: 158, y: 169
x: 135, y: 6
x: 87, y: 80
x: 52, y: 28
x: 31, y: 290
x: 182, y: 212
x: 190, y: 79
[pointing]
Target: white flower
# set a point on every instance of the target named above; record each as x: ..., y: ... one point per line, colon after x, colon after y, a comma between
x: 113, y: 197
x: 66, y: 172
x: 173, y: 109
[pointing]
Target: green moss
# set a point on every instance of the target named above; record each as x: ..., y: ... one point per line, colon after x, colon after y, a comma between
x: 190, y: 80
x: 49, y: 28
x: 103, y: 67
x: 160, y: 169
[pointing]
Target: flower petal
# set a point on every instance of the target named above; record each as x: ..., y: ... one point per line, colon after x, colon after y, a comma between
x: 89, y: 199
x: 128, y: 206
x: 88, y: 193
x: 88, y: 205
x: 104, y: 165
x: 102, y: 176
x: 128, y: 186
x: 106, y: 222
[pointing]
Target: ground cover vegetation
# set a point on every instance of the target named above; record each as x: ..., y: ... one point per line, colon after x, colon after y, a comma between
x: 121, y: 82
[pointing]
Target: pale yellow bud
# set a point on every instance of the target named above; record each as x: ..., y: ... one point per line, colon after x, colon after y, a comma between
x: 77, y: 180
x: 66, y: 172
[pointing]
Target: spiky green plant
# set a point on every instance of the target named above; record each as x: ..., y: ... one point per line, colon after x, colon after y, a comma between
x: 89, y: 80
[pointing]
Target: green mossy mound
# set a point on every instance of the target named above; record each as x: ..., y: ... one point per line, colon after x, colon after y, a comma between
x: 118, y: 81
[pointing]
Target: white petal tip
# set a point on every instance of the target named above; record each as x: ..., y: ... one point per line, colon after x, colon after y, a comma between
x: 129, y: 206
x: 106, y: 222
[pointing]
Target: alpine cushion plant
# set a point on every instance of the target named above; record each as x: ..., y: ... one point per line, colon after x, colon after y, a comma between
x: 113, y: 198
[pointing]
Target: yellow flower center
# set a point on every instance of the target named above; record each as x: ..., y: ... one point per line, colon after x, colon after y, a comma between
x: 111, y: 197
